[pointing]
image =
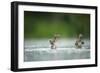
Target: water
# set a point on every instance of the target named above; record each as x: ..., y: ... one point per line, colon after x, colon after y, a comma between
x: 39, y: 50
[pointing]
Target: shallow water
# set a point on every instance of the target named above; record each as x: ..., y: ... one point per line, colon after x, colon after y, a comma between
x: 39, y: 50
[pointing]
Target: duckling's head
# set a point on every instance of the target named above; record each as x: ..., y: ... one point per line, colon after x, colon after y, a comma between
x: 80, y: 35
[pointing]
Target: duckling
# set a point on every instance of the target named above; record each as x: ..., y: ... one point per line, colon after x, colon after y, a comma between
x: 79, y: 41
x: 53, y: 41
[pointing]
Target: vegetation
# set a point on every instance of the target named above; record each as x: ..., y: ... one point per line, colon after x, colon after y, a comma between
x: 46, y: 24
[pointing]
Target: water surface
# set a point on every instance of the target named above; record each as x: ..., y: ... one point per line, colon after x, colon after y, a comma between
x: 39, y: 50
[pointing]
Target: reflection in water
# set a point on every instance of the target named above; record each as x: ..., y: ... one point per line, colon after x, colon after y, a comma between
x: 39, y: 50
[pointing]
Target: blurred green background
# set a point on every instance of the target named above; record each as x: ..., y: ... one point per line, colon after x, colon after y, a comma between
x: 46, y: 24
